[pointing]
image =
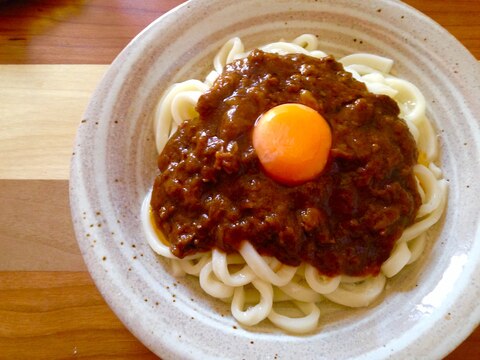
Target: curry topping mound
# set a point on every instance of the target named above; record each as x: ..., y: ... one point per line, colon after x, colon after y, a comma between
x: 213, y: 193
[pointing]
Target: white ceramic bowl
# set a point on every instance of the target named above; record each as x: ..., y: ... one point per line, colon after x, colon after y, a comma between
x: 426, y: 311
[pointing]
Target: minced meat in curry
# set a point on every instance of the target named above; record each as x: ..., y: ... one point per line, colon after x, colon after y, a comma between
x: 212, y: 192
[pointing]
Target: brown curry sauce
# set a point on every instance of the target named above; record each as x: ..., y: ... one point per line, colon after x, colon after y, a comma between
x: 212, y: 192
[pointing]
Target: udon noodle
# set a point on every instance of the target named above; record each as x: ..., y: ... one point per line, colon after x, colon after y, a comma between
x: 257, y: 286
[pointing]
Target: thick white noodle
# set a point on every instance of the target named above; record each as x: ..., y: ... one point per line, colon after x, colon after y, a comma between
x: 220, y: 268
x: 304, y: 44
x: 283, y: 48
x: 233, y: 49
x: 435, y: 170
x: 411, y: 101
x: 346, y: 279
x: 167, y: 116
x: 253, y: 296
x: 262, y: 269
x: 254, y: 283
x: 358, y: 294
x: 253, y: 314
x: 319, y: 283
x: 420, y: 190
x: 194, y: 266
x: 183, y: 106
x: 307, y: 41
x: 376, y: 62
x: 303, y: 324
x: 416, y: 247
x: 427, y: 142
x: 428, y: 221
x: 300, y: 290
x: 430, y: 186
x: 155, y: 243
x: 398, y: 259
x: 212, y: 285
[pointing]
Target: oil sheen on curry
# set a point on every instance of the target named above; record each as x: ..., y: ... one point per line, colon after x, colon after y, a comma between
x: 214, y: 192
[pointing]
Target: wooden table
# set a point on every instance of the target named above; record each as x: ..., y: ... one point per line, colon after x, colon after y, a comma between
x: 52, y: 54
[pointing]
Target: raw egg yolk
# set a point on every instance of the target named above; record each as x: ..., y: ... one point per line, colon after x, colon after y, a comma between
x: 292, y: 142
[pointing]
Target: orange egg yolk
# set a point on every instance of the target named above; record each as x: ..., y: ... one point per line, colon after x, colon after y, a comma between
x: 292, y: 142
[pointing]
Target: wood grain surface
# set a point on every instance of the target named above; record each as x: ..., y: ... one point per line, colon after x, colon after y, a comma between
x: 32, y: 239
x: 94, y: 32
x: 73, y: 31
x: 49, y: 306
x: 41, y: 107
x: 51, y: 315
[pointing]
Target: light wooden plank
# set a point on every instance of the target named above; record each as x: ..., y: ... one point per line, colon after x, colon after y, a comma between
x: 40, y: 109
x: 60, y: 315
x: 53, y: 315
x: 95, y: 31
x: 36, y: 232
x: 73, y: 31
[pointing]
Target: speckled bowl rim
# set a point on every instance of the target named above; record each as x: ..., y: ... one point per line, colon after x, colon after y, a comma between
x: 85, y: 169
